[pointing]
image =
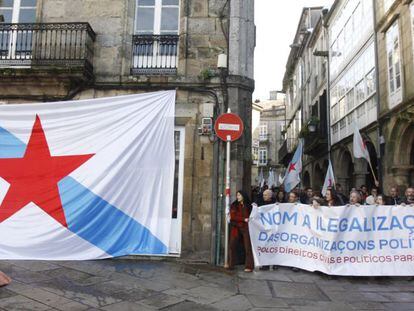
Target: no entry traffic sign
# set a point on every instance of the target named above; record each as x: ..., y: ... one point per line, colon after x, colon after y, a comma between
x: 229, y: 127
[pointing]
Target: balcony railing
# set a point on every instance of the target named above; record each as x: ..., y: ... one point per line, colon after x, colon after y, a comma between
x: 47, y: 44
x: 264, y: 137
x: 154, y: 54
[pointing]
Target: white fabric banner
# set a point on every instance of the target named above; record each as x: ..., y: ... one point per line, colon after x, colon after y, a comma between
x: 345, y: 240
x: 87, y: 179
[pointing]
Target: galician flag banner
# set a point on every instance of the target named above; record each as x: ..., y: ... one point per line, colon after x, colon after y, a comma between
x: 292, y: 177
x: 87, y: 179
x: 360, y: 148
x: 329, y: 179
x: 342, y: 240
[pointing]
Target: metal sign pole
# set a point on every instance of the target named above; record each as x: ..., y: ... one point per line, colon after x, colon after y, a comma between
x: 226, y: 235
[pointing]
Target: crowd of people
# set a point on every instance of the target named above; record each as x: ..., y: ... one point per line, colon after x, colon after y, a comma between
x: 334, y: 197
x: 241, y: 208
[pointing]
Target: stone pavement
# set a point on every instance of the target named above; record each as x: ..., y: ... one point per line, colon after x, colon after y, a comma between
x: 135, y: 284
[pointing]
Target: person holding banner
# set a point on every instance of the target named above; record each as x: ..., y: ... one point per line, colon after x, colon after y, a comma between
x: 331, y: 199
x: 409, y: 196
x: 355, y: 198
x: 380, y: 200
x: 240, y: 211
x: 394, y: 199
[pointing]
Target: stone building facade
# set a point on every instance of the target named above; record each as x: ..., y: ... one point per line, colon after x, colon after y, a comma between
x: 267, y: 137
x: 353, y: 89
x: 305, y: 84
x: 90, y: 49
x: 395, y: 39
x: 366, y: 49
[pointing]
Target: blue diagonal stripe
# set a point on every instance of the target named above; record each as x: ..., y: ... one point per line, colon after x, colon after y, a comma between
x: 91, y: 217
x: 103, y: 225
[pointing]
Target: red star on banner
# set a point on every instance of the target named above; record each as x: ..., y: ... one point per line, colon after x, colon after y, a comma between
x: 34, y: 178
x: 292, y: 167
x: 330, y: 182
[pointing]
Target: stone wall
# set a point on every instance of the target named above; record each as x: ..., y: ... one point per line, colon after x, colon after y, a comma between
x: 204, y: 27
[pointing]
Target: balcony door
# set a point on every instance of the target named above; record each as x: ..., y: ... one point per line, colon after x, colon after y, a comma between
x: 156, y: 31
x: 16, y: 43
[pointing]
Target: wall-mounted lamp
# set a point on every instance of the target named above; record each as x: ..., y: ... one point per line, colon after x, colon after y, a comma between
x: 222, y: 61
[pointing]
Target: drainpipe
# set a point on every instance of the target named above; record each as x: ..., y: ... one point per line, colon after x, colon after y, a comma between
x: 377, y: 96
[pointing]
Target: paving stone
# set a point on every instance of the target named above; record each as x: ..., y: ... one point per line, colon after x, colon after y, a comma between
x: 21, y: 303
x: 83, y: 294
x: 254, y: 287
x: 202, y: 294
x: 400, y: 296
x: 74, y: 276
x: 324, y: 305
x: 190, y: 306
x: 24, y: 275
x: 298, y: 290
x: 266, y: 301
x: 367, y: 305
x: 127, y: 306
x: 234, y: 303
x: 153, y: 285
x: 45, y: 297
x: 265, y: 275
x: 161, y: 300
x: 399, y: 306
x: 352, y: 296
x: 36, y: 266
x: 5, y: 292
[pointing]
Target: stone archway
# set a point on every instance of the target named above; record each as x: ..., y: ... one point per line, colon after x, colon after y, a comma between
x: 402, y: 150
x: 345, y: 170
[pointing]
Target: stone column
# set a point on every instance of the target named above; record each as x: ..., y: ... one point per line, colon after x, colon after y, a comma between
x: 240, y: 87
x: 402, y: 175
x: 360, y: 174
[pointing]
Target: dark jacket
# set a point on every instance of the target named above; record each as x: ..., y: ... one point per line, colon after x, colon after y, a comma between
x: 393, y: 201
x: 238, y: 213
x: 261, y: 202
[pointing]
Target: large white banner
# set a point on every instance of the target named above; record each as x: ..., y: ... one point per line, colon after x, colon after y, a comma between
x: 344, y: 240
x: 87, y: 179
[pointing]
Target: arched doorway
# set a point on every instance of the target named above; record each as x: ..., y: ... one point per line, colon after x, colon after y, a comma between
x: 347, y: 171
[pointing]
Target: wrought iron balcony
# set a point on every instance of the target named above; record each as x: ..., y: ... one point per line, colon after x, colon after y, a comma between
x: 47, y: 45
x: 264, y: 138
x: 154, y: 54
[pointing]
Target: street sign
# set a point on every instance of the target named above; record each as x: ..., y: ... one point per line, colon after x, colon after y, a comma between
x: 229, y: 127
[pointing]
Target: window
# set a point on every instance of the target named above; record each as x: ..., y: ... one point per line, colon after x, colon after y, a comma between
x: 263, y: 132
x: 394, y: 66
x: 18, y: 45
x: 371, y: 82
x: 262, y: 156
x: 157, y: 17
x: 155, y: 43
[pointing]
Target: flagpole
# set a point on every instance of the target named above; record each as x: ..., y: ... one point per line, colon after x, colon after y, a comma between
x: 372, y: 171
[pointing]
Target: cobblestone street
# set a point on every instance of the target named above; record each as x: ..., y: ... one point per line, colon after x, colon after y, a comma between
x: 164, y: 285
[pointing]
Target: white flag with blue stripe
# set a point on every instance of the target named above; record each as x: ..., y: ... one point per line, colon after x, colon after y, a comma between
x: 87, y: 179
